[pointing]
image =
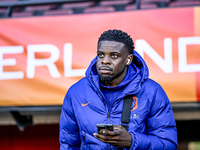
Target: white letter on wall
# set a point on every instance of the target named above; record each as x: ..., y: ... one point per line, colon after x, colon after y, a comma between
x: 164, y: 64
x: 182, y: 51
x: 49, y: 62
x: 67, y: 58
x: 10, y: 62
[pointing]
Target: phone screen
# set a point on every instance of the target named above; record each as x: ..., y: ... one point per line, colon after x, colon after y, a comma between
x: 101, y: 126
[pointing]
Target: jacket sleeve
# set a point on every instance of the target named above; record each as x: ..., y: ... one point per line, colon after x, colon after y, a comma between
x: 161, y: 126
x: 68, y: 128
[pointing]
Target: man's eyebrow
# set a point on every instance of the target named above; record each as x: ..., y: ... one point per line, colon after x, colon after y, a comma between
x: 115, y: 53
x: 110, y: 52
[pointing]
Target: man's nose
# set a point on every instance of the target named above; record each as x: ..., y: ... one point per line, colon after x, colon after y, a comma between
x: 106, y: 60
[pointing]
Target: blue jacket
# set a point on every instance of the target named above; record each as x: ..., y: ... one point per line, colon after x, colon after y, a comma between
x: 151, y: 125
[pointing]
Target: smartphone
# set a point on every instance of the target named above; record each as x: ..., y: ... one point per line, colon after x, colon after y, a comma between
x: 107, y: 126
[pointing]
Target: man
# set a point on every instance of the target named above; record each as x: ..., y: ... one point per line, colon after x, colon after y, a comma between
x: 116, y: 72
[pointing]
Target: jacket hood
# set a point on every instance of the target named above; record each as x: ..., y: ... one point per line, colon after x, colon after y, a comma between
x: 134, y: 83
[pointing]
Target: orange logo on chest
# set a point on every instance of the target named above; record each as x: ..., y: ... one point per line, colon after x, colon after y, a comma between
x: 134, y: 103
x: 85, y: 104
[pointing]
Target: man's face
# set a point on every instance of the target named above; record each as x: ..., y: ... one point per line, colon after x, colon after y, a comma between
x: 111, y: 62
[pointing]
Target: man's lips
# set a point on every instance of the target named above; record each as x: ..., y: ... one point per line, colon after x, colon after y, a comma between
x: 105, y: 70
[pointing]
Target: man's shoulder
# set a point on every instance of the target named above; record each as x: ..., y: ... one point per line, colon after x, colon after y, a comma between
x: 151, y: 85
x: 79, y: 84
x: 150, y: 82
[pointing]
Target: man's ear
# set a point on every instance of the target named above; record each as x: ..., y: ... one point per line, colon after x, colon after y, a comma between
x: 129, y: 59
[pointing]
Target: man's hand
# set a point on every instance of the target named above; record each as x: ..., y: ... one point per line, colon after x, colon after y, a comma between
x: 118, y: 138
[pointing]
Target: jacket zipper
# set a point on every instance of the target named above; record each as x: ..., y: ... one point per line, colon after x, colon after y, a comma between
x: 108, y: 113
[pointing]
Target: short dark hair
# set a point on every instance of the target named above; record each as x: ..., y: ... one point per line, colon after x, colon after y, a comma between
x: 118, y: 36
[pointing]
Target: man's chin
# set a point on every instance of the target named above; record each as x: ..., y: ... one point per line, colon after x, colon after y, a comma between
x: 105, y: 79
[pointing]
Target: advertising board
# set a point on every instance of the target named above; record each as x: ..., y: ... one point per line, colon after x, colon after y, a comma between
x: 41, y: 57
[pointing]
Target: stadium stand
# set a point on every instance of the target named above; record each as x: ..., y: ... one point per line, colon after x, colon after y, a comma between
x: 118, y: 5
x: 131, y: 7
x: 27, y: 8
x: 151, y: 4
x: 58, y: 12
x: 98, y: 9
x: 22, y: 14
x: 2, y: 11
x: 40, y: 8
x: 180, y: 3
x: 9, y: 0
x: 78, y: 7
x: 148, y: 6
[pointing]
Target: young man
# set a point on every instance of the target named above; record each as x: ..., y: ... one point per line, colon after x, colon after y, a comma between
x: 116, y: 72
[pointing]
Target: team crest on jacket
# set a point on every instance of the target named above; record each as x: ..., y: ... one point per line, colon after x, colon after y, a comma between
x: 134, y: 103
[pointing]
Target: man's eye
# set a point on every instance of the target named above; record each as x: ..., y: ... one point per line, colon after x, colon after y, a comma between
x: 114, y: 56
x: 100, y: 55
